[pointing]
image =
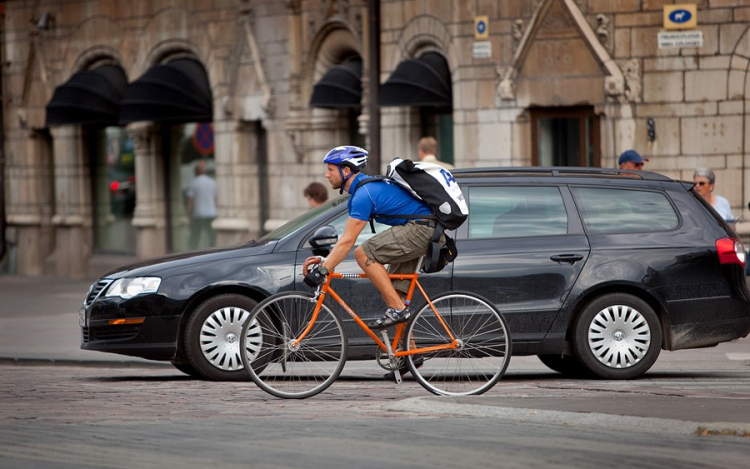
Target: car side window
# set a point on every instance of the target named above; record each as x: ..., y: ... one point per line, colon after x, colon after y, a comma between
x: 606, y: 210
x: 516, y: 211
x: 340, y: 223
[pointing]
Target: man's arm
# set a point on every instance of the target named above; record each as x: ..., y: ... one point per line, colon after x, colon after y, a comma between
x: 344, y: 245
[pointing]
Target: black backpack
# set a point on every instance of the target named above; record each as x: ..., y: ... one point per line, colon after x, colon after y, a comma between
x: 437, y: 187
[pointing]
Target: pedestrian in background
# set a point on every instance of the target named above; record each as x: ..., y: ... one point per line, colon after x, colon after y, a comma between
x: 631, y: 159
x: 316, y: 194
x: 201, y: 206
x: 705, y: 183
x: 426, y: 150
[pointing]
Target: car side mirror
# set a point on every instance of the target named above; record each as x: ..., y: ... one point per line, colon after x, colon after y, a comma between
x: 324, y: 238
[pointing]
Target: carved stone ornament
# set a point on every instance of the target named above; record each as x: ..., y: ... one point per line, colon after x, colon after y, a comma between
x: 507, y: 89
x: 602, y: 29
x: 517, y: 30
x: 632, y: 72
x: 613, y: 86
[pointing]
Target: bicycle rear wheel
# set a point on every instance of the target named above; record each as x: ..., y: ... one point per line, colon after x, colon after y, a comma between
x: 293, y: 371
x: 484, y: 345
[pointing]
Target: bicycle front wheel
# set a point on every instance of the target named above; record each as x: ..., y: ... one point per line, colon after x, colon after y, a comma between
x: 279, y: 365
x: 483, y: 350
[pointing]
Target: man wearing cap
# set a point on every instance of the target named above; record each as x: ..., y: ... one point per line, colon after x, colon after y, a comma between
x: 630, y: 159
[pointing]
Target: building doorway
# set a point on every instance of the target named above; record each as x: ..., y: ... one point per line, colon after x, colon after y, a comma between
x: 567, y: 136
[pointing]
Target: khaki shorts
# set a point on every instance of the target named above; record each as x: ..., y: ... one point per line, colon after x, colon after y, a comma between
x: 400, y: 247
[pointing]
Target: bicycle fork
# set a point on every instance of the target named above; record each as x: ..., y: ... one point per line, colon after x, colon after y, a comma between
x: 391, y: 356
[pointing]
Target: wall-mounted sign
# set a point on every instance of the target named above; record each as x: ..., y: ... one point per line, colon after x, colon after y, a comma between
x: 675, y: 39
x: 481, y: 27
x: 680, y: 16
x: 482, y: 50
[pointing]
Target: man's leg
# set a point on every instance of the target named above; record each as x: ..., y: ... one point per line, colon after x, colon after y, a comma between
x: 400, y: 246
x: 379, y: 277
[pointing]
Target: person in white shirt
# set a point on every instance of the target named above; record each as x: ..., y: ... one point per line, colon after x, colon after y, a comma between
x: 201, y: 206
x: 426, y: 149
x: 705, y: 182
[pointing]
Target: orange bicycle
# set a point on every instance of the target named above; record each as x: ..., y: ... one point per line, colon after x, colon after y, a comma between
x: 295, y: 346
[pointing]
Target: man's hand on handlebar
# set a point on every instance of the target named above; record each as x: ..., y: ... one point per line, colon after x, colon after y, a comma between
x: 314, y: 278
x: 310, y: 261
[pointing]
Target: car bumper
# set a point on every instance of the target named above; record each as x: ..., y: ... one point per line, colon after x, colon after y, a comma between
x: 154, y: 339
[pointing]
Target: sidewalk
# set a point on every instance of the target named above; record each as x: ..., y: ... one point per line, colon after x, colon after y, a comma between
x: 39, y: 323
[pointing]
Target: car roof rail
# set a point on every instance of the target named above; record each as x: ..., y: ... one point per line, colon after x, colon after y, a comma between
x: 561, y: 171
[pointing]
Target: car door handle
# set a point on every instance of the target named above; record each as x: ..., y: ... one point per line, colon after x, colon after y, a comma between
x: 567, y: 258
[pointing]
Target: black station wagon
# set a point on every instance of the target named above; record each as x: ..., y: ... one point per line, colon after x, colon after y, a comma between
x: 595, y: 270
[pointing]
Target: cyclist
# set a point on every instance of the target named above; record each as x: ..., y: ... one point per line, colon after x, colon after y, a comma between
x: 400, y: 246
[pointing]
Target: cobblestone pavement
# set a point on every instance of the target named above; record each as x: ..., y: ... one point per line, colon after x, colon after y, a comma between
x: 62, y: 416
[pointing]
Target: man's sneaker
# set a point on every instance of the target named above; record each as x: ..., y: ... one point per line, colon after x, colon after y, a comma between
x: 391, y: 375
x: 390, y: 318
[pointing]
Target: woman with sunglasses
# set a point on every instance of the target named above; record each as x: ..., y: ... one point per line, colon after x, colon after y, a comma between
x: 705, y: 180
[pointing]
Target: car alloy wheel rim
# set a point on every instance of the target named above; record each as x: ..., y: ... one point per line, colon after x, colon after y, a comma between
x: 220, y: 338
x: 619, y: 336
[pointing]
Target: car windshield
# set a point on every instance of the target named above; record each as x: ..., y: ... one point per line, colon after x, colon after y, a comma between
x: 302, y: 220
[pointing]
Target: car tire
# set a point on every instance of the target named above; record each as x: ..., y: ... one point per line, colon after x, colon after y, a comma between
x: 565, y: 364
x: 212, y: 337
x: 617, y: 336
x: 187, y: 369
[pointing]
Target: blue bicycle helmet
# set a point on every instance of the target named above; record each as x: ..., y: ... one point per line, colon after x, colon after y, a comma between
x: 352, y: 157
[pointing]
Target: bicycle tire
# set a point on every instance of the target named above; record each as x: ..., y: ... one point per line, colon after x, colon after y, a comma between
x: 293, y: 372
x: 478, y: 363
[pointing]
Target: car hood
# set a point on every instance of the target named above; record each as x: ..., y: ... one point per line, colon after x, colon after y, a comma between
x: 155, y: 265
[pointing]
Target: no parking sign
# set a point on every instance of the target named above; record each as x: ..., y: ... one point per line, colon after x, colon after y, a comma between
x: 203, y: 139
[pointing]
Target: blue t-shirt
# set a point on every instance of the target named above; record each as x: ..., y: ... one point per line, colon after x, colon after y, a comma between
x: 383, y: 198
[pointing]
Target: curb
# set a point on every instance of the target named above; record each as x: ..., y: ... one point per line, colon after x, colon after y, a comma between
x: 80, y: 363
x: 443, y: 405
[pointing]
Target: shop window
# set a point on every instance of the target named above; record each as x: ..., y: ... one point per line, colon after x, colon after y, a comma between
x: 191, y: 205
x: 114, y: 190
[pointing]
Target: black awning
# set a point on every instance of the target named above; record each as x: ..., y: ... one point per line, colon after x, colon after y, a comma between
x: 176, y: 92
x: 340, y: 87
x: 89, y: 98
x: 424, y: 81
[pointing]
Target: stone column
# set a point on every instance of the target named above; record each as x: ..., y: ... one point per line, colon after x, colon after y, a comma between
x: 29, y: 201
x: 237, y: 181
x: 149, y: 218
x: 73, y: 205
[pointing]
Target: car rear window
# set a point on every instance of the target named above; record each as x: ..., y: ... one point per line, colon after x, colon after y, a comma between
x: 606, y: 210
x: 516, y: 211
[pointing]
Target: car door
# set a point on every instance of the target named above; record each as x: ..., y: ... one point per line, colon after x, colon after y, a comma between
x: 522, y: 248
x: 360, y: 294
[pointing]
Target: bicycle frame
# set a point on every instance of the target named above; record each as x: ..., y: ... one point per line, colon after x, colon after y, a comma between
x: 326, y: 289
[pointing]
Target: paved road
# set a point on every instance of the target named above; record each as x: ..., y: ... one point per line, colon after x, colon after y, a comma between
x: 62, y: 407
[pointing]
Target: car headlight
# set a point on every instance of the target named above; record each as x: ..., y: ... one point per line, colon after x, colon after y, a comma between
x: 130, y: 287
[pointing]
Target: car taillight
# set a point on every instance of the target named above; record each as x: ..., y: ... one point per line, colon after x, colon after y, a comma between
x: 731, y: 251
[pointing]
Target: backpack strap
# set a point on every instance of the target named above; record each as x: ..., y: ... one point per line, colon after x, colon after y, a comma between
x: 435, y: 241
x: 374, y: 215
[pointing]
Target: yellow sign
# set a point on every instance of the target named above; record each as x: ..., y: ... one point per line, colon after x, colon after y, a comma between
x: 481, y: 27
x: 680, y: 16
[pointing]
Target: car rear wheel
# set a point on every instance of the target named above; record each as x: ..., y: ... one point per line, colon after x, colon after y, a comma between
x: 617, y: 336
x: 212, y: 337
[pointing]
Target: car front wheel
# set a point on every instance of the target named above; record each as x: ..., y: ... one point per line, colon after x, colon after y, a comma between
x: 212, y: 337
x: 567, y: 365
x: 617, y: 336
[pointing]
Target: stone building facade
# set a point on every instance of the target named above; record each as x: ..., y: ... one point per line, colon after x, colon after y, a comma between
x: 562, y: 82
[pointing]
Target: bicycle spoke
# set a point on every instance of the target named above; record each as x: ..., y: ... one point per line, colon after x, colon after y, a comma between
x: 484, y: 345
x: 294, y: 368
